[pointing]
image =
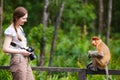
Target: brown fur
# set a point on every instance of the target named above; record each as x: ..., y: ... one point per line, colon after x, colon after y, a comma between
x: 103, y: 62
x: 101, y: 50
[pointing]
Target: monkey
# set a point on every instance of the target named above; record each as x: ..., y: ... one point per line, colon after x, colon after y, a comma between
x: 100, y: 57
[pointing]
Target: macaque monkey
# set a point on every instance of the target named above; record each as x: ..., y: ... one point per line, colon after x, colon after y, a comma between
x: 100, y: 57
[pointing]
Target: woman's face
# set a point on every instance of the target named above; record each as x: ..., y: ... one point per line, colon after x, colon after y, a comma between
x: 22, y: 20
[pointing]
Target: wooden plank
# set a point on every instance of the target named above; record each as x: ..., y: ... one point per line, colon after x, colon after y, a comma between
x: 4, y: 67
x: 69, y: 69
x: 59, y: 69
x: 100, y: 72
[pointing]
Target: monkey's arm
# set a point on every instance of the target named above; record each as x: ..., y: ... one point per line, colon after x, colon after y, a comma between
x: 95, y: 54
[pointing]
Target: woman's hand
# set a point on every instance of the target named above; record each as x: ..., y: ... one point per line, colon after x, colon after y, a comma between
x: 24, y: 52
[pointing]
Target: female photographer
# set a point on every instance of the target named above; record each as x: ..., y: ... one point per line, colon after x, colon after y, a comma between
x: 19, y: 66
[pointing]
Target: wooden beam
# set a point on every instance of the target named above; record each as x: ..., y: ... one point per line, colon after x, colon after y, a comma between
x: 100, y: 72
x: 59, y: 69
x: 69, y: 69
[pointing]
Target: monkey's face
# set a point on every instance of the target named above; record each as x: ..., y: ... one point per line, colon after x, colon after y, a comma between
x: 94, y: 43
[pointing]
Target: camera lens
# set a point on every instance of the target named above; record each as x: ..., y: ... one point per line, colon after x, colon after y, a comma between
x: 32, y: 56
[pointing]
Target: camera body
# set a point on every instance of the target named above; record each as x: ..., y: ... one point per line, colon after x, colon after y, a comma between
x: 32, y: 55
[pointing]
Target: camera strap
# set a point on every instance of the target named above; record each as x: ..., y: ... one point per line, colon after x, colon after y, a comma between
x: 16, y: 45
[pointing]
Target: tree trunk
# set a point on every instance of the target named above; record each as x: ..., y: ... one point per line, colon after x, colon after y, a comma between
x: 1, y: 18
x: 85, y: 1
x: 101, y: 10
x: 55, y: 32
x: 44, y: 21
x: 109, y: 21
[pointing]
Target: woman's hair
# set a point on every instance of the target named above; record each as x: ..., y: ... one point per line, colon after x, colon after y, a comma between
x: 17, y: 14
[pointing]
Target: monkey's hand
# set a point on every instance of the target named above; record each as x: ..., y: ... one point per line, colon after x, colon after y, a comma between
x: 95, y: 54
x: 89, y: 54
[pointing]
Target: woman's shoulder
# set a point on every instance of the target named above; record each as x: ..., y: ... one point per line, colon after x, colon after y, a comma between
x: 10, y: 30
x: 10, y: 27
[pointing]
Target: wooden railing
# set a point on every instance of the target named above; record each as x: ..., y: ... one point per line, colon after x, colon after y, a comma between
x: 82, y: 73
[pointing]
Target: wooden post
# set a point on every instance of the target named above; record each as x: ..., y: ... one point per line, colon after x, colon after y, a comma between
x: 82, y: 75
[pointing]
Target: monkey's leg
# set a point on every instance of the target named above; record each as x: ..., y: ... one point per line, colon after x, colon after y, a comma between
x: 92, y: 67
x: 89, y: 65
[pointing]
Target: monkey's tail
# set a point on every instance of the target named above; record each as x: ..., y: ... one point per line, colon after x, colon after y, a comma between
x: 107, y: 73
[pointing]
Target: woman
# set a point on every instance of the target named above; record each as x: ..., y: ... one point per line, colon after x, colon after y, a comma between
x: 14, y: 40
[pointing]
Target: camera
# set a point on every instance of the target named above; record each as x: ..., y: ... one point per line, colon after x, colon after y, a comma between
x: 30, y: 49
x: 32, y: 55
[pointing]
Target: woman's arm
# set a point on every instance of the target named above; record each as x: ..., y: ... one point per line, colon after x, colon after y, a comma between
x: 7, y: 49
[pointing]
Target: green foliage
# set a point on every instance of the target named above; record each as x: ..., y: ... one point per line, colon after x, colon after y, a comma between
x: 35, y: 38
x: 68, y: 76
x: 78, y: 14
x: 36, y: 34
x: 4, y: 58
x: 55, y: 76
x: 115, y: 50
x: 40, y: 75
x: 5, y: 75
x: 73, y: 46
